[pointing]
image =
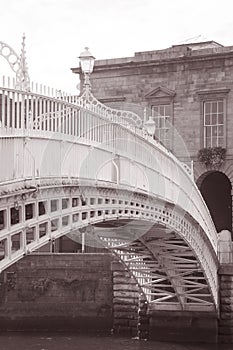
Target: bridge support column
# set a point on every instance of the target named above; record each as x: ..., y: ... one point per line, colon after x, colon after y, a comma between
x: 225, y: 254
x: 129, y: 305
x: 225, y: 326
x: 143, y: 319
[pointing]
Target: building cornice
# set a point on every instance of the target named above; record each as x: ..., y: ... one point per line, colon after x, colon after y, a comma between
x: 112, y: 99
x: 110, y: 65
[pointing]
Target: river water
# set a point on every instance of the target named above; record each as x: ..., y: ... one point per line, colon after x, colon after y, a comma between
x: 61, y: 341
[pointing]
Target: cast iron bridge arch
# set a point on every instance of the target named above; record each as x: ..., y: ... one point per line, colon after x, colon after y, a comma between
x: 86, y: 165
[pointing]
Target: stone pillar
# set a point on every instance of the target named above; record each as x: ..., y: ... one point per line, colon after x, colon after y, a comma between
x: 225, y: 324
x: 225, y: 273
x: 225, y: 247
x: 125, y: 301
x: 143, y: 319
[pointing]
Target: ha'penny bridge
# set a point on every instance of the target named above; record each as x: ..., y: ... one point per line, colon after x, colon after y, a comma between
x: 70, y: 164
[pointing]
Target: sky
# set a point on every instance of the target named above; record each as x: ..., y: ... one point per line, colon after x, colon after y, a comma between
x: 57, y: 31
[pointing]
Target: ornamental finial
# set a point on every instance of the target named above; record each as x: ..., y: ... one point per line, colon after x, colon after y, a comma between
x: 22, y: 77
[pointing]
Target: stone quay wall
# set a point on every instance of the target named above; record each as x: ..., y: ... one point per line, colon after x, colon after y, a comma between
x: 94, y: 292
x: 57, y: 292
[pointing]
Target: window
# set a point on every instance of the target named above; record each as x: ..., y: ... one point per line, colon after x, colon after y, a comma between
x: 213, y: 117
x: 162, y: 118
x: 160, y: 103
x: 213, y: 124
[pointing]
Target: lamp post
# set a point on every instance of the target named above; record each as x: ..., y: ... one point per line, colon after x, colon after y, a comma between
x: 87, y: 64
x: 149, y: 126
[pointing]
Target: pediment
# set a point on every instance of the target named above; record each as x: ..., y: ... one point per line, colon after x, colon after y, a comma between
x: 160, y: 92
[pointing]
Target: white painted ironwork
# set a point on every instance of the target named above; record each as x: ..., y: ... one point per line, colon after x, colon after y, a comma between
x: 22, y: 76
x: 167, y: 270
x: 10, y: 55
x: 88, y: 101
x: 53, y: 145
x: 154, y: 241
x: 127, y: 118
x: 20, y: 116
x: 18, y: 65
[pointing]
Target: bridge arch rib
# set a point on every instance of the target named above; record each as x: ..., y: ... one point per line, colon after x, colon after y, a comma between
x: 160, y: 241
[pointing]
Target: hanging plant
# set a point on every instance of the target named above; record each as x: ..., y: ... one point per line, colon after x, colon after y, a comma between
x: 212, y: 156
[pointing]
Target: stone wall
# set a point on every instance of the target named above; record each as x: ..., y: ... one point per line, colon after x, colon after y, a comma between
x: 58, y: 291
x: 89, y: 292
x: 129, y: 304
x: 191, y: 79
x: 183, y: 326
x: 226, y: 304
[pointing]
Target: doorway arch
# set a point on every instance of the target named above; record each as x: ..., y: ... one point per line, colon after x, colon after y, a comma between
x: 215, y: 188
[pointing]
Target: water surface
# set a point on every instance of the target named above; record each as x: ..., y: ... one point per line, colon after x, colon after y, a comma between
x: 38, y: 341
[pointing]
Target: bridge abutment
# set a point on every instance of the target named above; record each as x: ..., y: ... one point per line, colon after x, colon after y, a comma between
x: 225, y: 328
x: 225, y: 274
x: 91, y: 291
x: 183, y: 326
x: 129, y: 304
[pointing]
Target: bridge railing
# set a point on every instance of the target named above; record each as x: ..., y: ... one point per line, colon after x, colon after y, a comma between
x: 91, y: 104
x: 30, y: 115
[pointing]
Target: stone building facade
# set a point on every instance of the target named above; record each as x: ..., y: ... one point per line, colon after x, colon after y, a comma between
x: 188, y: 90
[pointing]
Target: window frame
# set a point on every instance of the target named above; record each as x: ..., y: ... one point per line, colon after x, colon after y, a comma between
x: 163, y: 96
x: 213, y: 96
x: 164, y: 117
x: 212, y: 125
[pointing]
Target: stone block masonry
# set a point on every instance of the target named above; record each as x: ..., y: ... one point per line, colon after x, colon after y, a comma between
x: 94, y: 292
x: 225, y: 327
x: 183, y: 326
x: 133, y: 78
x: 129, y: 305
x: 57, y: 292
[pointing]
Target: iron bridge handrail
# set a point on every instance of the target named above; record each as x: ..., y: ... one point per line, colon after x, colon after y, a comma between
x: 34, y: 115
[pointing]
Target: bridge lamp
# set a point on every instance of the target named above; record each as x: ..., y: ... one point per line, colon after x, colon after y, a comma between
x: 149, y: 126
x: 87, y: 61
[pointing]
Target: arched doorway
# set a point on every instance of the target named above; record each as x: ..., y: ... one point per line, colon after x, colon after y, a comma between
x: 216, y: 191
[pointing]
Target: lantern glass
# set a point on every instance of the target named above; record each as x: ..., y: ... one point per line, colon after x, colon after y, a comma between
x: 87, y: 61
x: 149, y: 125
